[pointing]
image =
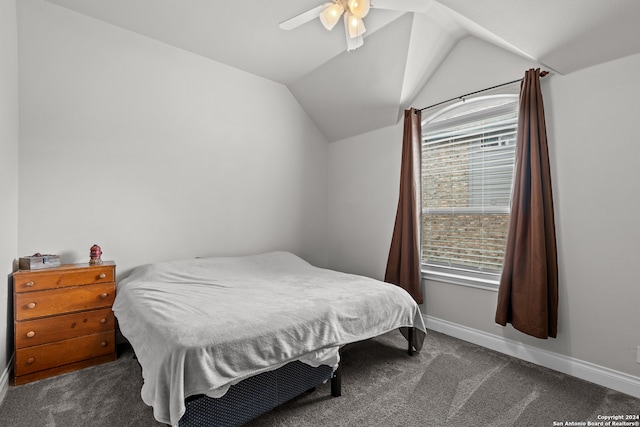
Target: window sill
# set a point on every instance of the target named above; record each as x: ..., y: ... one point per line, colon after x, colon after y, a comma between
x: 455, y: 279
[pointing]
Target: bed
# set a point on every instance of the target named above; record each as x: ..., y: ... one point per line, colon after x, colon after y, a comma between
x: 203, y: 329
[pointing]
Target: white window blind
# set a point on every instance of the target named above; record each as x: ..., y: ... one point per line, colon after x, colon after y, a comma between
x: 468, y: 156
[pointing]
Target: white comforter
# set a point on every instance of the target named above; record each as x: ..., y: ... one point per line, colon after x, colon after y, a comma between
x: 199, y: 326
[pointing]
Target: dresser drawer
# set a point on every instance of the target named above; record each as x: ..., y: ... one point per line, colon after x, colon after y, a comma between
x: 41, y: 357
x: 58, y: 328
x: 31, y: 305
x: 29, y: 281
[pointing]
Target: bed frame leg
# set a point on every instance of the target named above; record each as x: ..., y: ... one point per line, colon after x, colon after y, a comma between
x: 336, y: 383
x: 410, y: 333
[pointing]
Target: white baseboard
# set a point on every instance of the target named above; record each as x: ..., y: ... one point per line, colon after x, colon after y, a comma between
x: 600, y: 375
x: 4, y: 380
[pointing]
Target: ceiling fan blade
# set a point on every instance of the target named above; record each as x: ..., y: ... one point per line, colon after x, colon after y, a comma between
x: 303, y: 18
x: 404, y: 5
x: 354, y: 43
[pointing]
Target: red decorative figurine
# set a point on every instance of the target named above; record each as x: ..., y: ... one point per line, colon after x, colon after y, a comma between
x: 95, y: 253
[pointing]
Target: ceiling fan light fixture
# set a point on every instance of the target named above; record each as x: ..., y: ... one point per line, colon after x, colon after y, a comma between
x: 331, y: 14
x: 359, y: 8
x: 352, y: 43
x: 352, y: 11
x: 355, y: 25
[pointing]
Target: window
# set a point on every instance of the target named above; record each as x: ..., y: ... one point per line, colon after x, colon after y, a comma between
x: 468, y: 157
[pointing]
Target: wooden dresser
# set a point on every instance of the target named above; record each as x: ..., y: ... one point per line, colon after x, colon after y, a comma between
x: 63, y: 319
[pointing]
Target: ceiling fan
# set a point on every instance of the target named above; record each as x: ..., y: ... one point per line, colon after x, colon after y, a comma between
x: 353, y: 11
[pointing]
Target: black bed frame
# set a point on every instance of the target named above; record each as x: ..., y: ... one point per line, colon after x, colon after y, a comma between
x: 259, y: 394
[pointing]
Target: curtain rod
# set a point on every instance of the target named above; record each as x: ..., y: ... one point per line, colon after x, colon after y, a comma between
x: 542, y: 74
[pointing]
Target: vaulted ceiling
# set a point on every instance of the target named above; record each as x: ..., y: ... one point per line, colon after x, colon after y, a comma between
x: 349, y: 93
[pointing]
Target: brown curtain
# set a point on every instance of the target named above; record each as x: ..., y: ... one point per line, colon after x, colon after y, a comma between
x: 528, y: 294
x: 403, y: 265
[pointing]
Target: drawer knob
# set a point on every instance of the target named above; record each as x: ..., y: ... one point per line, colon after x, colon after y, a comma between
x: 102, y: 276
x: 103, y: 321
x: 103, y: 344
x: 31, y: 360
x: 30, y: 284
x: 31, y: 334
x: 31, y: 305
x: 104, y: 295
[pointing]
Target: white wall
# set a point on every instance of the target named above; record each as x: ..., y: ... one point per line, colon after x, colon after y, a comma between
x: 591, y: 119
x: 155, y: 153
x: 8, y: 177
x: 364, y: 181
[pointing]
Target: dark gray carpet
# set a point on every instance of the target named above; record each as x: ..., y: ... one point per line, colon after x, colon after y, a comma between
x: 450, y: 383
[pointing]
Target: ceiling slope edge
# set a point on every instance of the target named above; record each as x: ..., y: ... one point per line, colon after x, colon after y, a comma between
x: 480, y: 32
x: 433, y: 36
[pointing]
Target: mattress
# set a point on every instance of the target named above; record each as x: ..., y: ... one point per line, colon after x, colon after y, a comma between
x: 200, y: 326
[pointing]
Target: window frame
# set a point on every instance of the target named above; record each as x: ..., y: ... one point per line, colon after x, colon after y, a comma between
x: 458, y: 274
